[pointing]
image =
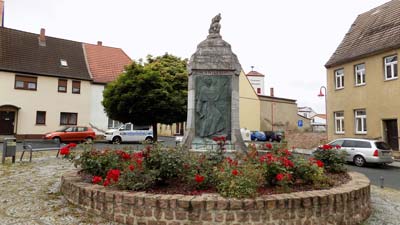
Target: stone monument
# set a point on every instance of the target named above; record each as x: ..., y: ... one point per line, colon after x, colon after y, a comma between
x: 213, y: 96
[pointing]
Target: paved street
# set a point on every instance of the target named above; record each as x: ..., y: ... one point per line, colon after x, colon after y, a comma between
x: 390, y: 173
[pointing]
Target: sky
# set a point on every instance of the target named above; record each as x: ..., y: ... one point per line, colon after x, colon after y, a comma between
x: 288, y: 41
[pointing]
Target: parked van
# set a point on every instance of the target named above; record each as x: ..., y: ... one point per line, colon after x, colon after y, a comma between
x: 129, y: 133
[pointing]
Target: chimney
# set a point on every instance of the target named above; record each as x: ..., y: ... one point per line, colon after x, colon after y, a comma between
x: 1, y: 13
x: 42, y: 37
x: 99, y: 43
x: 271, y: 92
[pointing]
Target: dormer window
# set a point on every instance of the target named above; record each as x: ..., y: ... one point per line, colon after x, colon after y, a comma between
x: 63, y: 62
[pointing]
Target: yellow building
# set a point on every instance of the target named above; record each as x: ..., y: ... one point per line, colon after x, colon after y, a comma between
x: 362, y: 78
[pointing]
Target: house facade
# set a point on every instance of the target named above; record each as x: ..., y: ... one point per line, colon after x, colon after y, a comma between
x: 48, y: 82
x: 44, y: 83
x: 105, y: 65
x: 362, y: 78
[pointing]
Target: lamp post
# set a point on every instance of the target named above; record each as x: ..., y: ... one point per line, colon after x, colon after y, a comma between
x: 323, y: 94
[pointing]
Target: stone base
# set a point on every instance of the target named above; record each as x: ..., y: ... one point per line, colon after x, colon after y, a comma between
x: 348, y: 204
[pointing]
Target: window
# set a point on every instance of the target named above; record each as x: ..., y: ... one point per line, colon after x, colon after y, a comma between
x: 26, y: 83
x: 258, y: 90
x: 359, y: 72
x: 76, y: 87
x: 40, y: 117
x: 390, y: 67
x: 360, y: 119
x: 339, y: 79
x: 363, y: 144
x: 81, y: 129
x: 62, y: 85
x: 68, y: 118
x: 113, y: 123
x: 339, y: 122
x: 63, y: 62
x: 127, y: 126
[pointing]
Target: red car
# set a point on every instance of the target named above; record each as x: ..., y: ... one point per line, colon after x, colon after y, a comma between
x: 73, y: 133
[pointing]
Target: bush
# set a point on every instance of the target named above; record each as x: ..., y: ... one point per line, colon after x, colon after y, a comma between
x: 240, y: 177
x: 168, y: 162
x: 238, y: 182
x: 333, y: 159
x: 310, y: 172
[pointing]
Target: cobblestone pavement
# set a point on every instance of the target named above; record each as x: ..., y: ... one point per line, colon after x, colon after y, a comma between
x: 29, y: 195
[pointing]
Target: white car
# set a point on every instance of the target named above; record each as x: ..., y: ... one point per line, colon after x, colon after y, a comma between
x: 362, y: 151
x: 129, y: 133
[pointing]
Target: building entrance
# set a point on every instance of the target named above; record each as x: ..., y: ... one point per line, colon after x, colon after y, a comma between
x: 391, y: 133
x: 7, y: 122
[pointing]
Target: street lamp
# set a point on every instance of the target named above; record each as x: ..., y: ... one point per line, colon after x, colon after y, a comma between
x: 323, y: 94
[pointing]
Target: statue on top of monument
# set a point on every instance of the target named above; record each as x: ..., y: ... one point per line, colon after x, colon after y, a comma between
x: 215, y: 27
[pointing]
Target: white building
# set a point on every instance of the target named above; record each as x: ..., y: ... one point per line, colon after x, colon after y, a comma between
x: 257, y: 81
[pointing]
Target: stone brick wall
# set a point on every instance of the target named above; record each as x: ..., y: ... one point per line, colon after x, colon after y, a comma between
x: 348, y: 204
x: 305, y: 140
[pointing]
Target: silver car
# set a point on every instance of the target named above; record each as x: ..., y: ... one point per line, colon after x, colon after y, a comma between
x: 361, y: 151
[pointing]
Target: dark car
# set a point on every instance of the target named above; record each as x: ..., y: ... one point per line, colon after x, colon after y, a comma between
x: 73, y: 133
x: 266, y: 136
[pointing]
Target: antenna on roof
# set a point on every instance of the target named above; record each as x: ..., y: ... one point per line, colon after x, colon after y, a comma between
x: 252, y: 68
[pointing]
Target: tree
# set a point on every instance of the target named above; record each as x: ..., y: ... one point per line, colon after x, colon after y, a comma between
x: 149, y: 93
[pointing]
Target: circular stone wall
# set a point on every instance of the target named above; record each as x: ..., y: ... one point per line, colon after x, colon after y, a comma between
x: 347, y: 204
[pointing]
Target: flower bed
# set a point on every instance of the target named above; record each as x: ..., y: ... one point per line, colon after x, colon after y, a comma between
x: 175, y: 171
x: 347, y: 204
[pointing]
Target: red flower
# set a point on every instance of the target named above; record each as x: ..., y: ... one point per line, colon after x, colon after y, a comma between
x: 338, y: 147
x: 96, y: 179
x: 287, y: 163
x: 326, y: 147
x: 235, y: 172
x: 106, y: 182
x: 131, y: 167
x: 199, y: 178
x: 64, y: 150
x: 268, y: 145
x: 125, y: 156
x: 279, y: 177
x: 289, y: 176
x: 71, y: 145
x: 113, y: 175
x: 319, y: 163
x: 287, y: 152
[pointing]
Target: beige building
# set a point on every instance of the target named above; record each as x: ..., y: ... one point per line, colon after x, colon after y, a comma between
x: 362, y: 78
x: 44, y: 83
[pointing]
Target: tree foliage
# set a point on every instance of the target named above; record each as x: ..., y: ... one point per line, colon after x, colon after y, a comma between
x: 149, y: 93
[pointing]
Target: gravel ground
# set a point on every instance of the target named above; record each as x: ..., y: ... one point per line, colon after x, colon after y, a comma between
x: 29, y: 194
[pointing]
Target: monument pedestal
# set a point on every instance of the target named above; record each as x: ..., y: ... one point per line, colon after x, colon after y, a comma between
x: 213, y: 96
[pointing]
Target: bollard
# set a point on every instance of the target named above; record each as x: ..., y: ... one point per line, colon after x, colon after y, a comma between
x: 381, y: 179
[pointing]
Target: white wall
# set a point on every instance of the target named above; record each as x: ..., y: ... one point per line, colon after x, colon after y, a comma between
x: 45, y: 98
x: 98, y: 118
x: 257, y: 82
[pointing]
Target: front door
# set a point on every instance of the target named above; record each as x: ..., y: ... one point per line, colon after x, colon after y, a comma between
x: 7, y: 122
x: 392, y: 134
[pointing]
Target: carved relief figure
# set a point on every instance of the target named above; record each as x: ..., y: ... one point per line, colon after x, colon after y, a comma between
x: 211, y: 121
x: 215, y: 27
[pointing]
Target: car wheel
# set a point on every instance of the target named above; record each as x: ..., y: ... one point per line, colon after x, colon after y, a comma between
x: 57, y: 139
x: 116, y: 140
x: 359, y: 160
x: 149, y: 139
x: 89, y: 140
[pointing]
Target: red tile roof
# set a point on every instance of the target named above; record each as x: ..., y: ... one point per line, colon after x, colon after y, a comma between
x: 255, y: 74
x: 105, y: 63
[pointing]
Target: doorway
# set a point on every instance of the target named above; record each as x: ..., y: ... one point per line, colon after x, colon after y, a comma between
x: 7, y: 122
x: 391, y: 133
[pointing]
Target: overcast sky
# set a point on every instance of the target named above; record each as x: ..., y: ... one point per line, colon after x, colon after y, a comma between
x: 288, y: 41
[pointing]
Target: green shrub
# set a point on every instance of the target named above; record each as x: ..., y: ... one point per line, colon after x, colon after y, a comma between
x: 333, y: 159
x: 309, y: 171
x: 137, y: 179
x: 238, y: 181
x: 168, y: 162
x: 198, y: 171
x: 97, y: 163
